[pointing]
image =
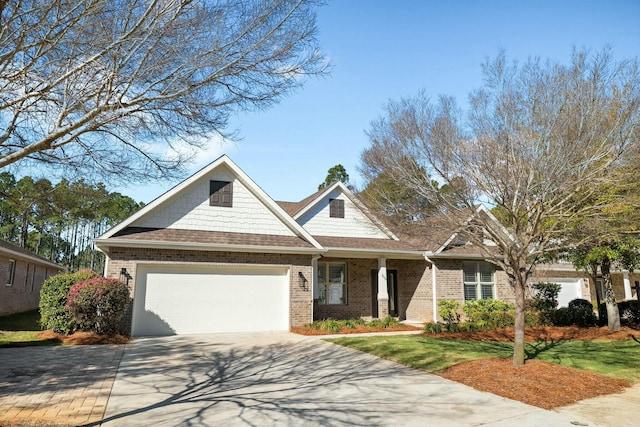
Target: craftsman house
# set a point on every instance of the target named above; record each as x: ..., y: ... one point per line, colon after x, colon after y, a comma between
x: 217, y: 254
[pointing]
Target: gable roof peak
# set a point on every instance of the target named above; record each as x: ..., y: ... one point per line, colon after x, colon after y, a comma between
x: 226, y: 161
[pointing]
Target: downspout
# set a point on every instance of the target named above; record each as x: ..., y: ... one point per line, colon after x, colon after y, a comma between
x: 433, y: 285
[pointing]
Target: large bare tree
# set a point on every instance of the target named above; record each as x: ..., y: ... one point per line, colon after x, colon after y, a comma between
x: 541, y: 139
x: 112, y: 87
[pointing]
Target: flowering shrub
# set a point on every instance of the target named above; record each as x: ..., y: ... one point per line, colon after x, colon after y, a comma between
x: 98, y: 304
x: 53, y: 300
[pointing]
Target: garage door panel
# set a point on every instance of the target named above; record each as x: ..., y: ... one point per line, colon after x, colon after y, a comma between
x: 569, y: 290
x: 224, y: 300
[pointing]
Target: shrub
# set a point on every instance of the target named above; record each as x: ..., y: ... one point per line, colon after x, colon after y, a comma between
x: 538, y: 318
x: 502, y: 319
x: 583, y: 317
x: 449, y: 310
x: 387, y: 322
x: 580, y: 303
x: 53, y: 300
x: 481, y: 309
x: 546, y: 296
x: 432, y: 328
x: 98, y: 304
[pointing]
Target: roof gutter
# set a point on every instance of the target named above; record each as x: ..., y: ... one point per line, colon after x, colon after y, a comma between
x: 105, y: 244
x: 373, y: 253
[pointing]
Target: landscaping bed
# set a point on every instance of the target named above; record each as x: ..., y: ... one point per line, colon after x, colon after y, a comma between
x: 83, y: 338
x: 542, y: 384
x: 352, y: 326
x: 362, y: 329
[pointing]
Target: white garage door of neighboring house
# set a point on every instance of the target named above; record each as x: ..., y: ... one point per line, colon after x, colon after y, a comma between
x: 190, y: 299
x: 569, y: 290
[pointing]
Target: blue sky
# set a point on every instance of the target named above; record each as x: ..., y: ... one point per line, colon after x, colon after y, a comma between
x: 383, y: 50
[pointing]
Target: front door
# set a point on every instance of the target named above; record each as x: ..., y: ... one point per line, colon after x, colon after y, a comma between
x: 392, y: 290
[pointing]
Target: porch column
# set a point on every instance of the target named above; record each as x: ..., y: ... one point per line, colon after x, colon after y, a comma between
x: 627, y: 285
x: 383, y: 293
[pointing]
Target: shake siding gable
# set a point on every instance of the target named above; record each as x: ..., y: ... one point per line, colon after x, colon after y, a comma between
x: 190, y: 210
x: 318, y: 222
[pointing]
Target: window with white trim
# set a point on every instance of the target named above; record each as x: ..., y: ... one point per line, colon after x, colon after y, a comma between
x: 332, y: 283
x: 11, y: 272
x: 479, y: 280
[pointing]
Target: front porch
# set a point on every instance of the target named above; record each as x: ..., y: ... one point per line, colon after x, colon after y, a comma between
x: 346, y: 288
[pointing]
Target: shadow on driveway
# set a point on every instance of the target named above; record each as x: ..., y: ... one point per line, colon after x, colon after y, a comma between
x: 286, y: 380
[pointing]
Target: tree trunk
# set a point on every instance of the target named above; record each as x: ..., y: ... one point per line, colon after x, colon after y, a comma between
x: 613, y: 314
x: 519, y: 283
x: 24, y: 230
x: 594, y: 278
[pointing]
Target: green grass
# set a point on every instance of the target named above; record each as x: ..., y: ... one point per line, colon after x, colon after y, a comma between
x: 617, y: 359
x: 20, y: 330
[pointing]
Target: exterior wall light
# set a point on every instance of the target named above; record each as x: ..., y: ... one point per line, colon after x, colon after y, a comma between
x: 302, y: 281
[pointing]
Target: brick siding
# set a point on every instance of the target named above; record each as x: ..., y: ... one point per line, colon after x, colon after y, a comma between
x: 24, y: 293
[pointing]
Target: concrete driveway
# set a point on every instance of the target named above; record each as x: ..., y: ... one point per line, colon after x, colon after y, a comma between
x: 284, y: 379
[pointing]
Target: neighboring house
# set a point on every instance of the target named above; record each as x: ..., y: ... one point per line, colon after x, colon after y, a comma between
x: 217, y: 254
x: 23, y: 274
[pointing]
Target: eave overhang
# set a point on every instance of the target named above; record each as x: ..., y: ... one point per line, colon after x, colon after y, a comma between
x: 105, y: 244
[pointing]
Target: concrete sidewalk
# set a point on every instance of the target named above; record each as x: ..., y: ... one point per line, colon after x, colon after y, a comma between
x: 615, y: 410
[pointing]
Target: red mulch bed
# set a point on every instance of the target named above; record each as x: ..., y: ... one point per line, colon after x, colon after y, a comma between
x: 537, y: 383
x: 361, y: 329
x: 84, y: 338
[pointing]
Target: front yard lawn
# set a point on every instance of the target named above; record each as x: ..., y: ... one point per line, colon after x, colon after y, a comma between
x: 22, y: 329
x: 586, y: 367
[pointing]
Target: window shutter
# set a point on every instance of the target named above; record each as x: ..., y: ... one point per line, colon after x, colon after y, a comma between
x: 221, y: 193
x: 336, y: 208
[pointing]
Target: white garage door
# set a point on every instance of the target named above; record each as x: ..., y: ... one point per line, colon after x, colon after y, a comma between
x: 569, y: 290
x: 188, y: 299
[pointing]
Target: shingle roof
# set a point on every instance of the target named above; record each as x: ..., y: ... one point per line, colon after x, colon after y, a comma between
x: 212, y: 237
x: 364, y: 243
x: 292, y: 208
x: 6, y: 246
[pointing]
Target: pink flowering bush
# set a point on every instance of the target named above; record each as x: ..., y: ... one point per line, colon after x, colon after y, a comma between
x: 98, y: 304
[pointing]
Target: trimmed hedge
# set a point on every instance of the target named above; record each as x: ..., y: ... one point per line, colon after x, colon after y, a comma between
x: 98, y: 304
x: 53, y: 300
x: 583, y: 317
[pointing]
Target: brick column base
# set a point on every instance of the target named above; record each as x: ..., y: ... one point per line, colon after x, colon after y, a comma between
x: 383, y: 308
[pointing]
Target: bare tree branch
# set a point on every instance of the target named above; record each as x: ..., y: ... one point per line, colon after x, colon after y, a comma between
x: 542, y: 140
x: 76, y: 74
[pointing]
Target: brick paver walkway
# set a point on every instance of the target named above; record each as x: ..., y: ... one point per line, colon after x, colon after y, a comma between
x: 67, y: 386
